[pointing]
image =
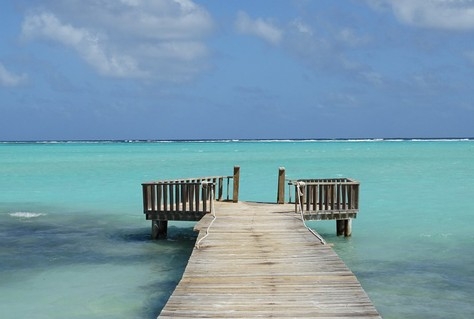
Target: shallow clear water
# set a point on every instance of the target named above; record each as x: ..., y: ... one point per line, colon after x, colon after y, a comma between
x: 74, y: 242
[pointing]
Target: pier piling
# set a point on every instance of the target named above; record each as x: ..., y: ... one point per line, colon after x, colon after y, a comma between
x: 344, y: 227
x: 159, y: 229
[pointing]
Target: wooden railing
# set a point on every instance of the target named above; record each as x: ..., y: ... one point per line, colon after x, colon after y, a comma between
x: 185, y: 196
x: 169, y: 196
x: 184, y: 199
x: 327, y: 196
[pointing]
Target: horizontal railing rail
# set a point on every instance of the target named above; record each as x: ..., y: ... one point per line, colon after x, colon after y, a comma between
x: 326, y: 195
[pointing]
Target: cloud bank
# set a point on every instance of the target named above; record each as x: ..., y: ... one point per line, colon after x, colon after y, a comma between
x: 318, y: 48
x: 158, y: 39
x: 455, y: 15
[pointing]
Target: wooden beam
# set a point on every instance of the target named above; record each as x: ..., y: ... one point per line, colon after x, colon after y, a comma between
x: 235, y: 197
x: 281, y: 186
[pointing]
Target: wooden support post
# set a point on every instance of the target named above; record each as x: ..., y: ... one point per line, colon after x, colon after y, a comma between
x: 344, y: 227
x: 159, y: 229
x: 348, y: 227
x: 339, y: 227
x: 235, y: 197
x: 281, y: 186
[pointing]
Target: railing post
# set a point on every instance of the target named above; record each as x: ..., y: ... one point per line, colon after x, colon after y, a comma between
x: 204, y: 196
x: 300, y: 197
x: 145, y: 198
x: 356, y: 196
x: 220, y: 188
x: 297, y: 197
x: 235, y: 197
x: 281, y: 186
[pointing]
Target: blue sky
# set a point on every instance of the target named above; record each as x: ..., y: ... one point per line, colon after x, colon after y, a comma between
x: 163, y: 69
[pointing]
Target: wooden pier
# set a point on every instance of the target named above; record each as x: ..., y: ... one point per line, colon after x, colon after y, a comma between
x: 190, y: 199
x: 260, y: 259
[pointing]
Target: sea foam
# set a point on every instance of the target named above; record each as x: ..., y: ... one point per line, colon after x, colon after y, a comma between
x: 26, y: 214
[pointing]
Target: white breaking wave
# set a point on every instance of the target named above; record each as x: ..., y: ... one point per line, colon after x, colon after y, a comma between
x: 26, y: 214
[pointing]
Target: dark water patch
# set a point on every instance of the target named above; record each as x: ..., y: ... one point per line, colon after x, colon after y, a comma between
x: 175, y: 233
x: 48, y: 249
x: 132, y: 236
x: 46, y: 241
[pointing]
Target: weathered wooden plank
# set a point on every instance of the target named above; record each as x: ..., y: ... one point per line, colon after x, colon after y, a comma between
x: 258, y: 260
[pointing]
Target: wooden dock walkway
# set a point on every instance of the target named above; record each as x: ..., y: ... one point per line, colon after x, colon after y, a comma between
x: 259, y: 261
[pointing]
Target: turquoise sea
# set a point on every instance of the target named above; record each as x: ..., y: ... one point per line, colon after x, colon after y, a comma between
x: 74, y: 242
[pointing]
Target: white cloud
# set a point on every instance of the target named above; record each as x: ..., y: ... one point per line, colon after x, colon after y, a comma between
x: 127, y: 38
x: 176, y: 50
x: 10, y: 79
x: 258, y: 27
x: 147, y: 19
x: 91, y: 47
x: 440, y: 14
x: 302, y: 27
x: 316, y: 45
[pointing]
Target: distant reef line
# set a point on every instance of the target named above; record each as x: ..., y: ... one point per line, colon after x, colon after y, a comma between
x: 277, y: 140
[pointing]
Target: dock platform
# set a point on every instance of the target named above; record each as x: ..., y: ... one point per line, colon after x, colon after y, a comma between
x: 258, y: 260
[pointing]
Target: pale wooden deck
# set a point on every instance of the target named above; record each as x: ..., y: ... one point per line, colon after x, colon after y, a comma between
x: 260, y: 261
